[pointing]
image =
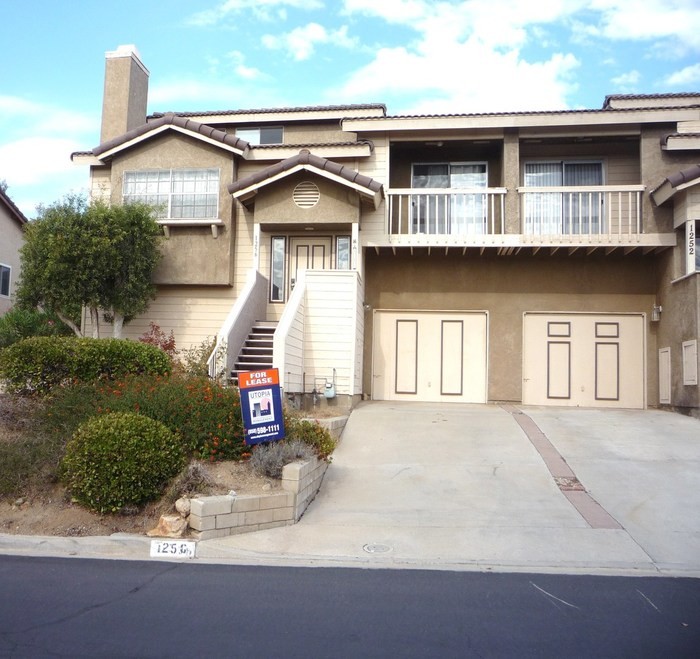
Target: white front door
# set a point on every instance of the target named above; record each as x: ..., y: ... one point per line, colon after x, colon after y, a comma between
x: 429, y: 356
x: 584, y: 360
x: 308, y: 253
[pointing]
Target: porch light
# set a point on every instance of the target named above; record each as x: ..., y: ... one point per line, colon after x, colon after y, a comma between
x: 656, y: 313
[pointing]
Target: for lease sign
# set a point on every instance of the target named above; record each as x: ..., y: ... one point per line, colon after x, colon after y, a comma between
x: 261, y: 405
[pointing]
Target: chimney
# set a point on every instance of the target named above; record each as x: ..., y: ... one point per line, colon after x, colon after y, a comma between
x: 125, y: 94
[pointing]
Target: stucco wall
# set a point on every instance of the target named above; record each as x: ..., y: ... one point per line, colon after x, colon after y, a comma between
x: 191, y: 255
x: 11, y: 239
x: 507, y: 287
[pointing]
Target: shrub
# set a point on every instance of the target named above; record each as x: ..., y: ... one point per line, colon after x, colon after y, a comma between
x: 269, y: 459
x: 120, y: 459
x: 18, y: 324
x: 206, y: 415
x: 155, y: 336
x: 311, y: 433
x: 194, y: 359
x: 38, y: 364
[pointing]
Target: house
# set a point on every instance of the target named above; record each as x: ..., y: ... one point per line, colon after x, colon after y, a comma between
x: 12, y: 222
x: 539, y: 257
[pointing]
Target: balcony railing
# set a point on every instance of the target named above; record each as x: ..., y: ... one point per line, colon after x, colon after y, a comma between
x: 441, y: 211
x: 582, y: 211
x: 597, y: 213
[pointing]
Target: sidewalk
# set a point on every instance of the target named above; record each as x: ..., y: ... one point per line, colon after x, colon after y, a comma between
x: 463, y: 487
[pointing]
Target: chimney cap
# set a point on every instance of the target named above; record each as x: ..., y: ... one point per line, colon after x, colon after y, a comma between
x: 127, y: 50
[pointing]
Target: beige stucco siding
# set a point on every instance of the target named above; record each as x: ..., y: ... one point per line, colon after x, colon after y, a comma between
x: 191, y: 254
x: 10, y: 242
x: 507, y: 288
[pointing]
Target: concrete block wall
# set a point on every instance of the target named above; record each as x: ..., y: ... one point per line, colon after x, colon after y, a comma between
x: 219, y: 516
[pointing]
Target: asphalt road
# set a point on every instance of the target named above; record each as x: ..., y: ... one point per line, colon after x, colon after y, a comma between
x: 51, y: 607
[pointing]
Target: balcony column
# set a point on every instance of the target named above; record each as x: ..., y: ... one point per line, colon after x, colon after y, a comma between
x: 511, y: 179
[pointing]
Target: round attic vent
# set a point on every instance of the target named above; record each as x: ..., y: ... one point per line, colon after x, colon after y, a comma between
x: 306, y: 194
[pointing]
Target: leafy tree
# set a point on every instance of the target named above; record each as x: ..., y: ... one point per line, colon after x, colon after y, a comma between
x: 96, y: 256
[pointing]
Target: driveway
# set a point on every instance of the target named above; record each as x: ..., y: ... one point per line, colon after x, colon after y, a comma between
x: 491, y: 487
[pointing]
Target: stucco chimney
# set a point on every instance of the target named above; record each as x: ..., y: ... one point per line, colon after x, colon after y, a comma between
x: 125, y: 94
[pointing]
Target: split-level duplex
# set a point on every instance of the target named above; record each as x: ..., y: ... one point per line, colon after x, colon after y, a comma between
x: 546, y: 258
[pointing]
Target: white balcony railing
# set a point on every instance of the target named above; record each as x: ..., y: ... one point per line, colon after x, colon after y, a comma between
x: 579, y: 211
x: 441, y: 211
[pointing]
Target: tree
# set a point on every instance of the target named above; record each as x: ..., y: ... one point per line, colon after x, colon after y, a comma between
x: 96, y: 256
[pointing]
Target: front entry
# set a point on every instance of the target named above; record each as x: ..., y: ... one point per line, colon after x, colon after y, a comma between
x: 308, y: 253
x: 430, y: 356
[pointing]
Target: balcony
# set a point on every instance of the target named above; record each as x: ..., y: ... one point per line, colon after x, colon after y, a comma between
x: 562, y: 216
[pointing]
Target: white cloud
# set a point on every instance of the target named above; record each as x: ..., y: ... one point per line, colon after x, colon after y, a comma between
x: 301, y: 42
x: 262, y: 9
x: 627, y: 80
x: 687, y: 77
x: 237, y: 59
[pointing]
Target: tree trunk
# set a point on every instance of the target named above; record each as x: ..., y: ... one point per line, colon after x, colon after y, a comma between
x: 117, y: 325
x: 67, y: 321
x: 95, y: 320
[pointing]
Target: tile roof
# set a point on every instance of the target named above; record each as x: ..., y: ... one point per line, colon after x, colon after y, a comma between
x: 644, y: 97
x: 684, y: 176
x: 313, y: 145
x: 309, y: 108
x: 15, y: 212
x: 174, y: 120
x: 305, y: 157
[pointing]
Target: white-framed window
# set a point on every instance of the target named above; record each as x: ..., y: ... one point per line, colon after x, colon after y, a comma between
x: 690, y: 362
x: 277, y: 271
x: 451, y: 212
x: 5, y: 279
x: 177, y: 193
x: 692, y: 256
x: 563, y: 212
x: 342, y: 253
x: 261, y: 134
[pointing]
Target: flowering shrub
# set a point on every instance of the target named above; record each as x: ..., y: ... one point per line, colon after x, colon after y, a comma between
x: 206, y: 415
x: 155, y: 336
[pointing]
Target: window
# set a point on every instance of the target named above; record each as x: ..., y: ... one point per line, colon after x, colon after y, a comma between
x: 342, y: 253
x: 564, y: 212
x: 178, y: 193
x: 261, y: 135
x: 691, y: 246
x: 5, y: 271
x: 452, y: 212
x: 279, y: 244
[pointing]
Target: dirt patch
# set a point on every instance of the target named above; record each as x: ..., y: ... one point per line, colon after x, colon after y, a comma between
x: 46, y: 508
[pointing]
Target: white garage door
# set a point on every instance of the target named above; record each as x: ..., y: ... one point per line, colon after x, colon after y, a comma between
x: 584, y: 360
x: 429, y: 356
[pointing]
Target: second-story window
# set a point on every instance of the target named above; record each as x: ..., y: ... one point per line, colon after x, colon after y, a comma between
x: 261, y: 134
x: 5, y: 272
x: 177, y: 193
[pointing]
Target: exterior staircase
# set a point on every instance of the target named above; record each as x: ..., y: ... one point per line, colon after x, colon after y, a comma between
x: 256, y: 353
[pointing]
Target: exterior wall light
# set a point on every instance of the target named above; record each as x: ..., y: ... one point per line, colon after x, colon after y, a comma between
x: 656, y: 313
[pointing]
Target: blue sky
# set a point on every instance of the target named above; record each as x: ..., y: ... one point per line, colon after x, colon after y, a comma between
x: 416, y: 56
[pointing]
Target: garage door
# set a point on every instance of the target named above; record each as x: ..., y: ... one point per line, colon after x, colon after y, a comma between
x: 429, y: 356
x: 584, y: 360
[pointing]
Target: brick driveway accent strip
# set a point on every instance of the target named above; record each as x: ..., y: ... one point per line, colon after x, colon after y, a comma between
x: 592, y: 512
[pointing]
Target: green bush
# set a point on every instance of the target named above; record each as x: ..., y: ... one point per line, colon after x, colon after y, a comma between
x: 120, y: 459
x: 311, y: 433
x: 18, y: 324
x: 269, y: 459
x: 38, y: 364
x: 206, y: 415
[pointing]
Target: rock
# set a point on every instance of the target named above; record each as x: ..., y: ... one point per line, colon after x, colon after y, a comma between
x: 267, y: 487
x: 183, y: 506
x: 169, y: 526
x: 20, y: 501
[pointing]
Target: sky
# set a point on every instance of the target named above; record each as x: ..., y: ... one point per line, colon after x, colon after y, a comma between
x: 415, y: 56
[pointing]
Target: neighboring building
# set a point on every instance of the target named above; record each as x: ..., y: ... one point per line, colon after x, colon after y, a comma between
x: 546, y: 258
x: 12, y: 223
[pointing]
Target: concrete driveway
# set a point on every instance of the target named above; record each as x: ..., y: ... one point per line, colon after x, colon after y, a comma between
x: 490, y: 487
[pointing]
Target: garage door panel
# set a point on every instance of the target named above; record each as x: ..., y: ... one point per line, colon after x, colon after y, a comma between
x: 452, y: 358
x: 587, y: 360
x: 406, y: 357
x: 429, y: 356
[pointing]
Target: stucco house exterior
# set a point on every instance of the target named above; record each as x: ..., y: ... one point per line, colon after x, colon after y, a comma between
x: 539, y: 257
x: 12, y: 222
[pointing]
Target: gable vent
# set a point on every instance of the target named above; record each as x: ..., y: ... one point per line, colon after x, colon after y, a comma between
x: 306, y: 194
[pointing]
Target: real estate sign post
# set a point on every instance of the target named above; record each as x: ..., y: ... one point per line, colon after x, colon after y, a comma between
x: 261, y: 406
